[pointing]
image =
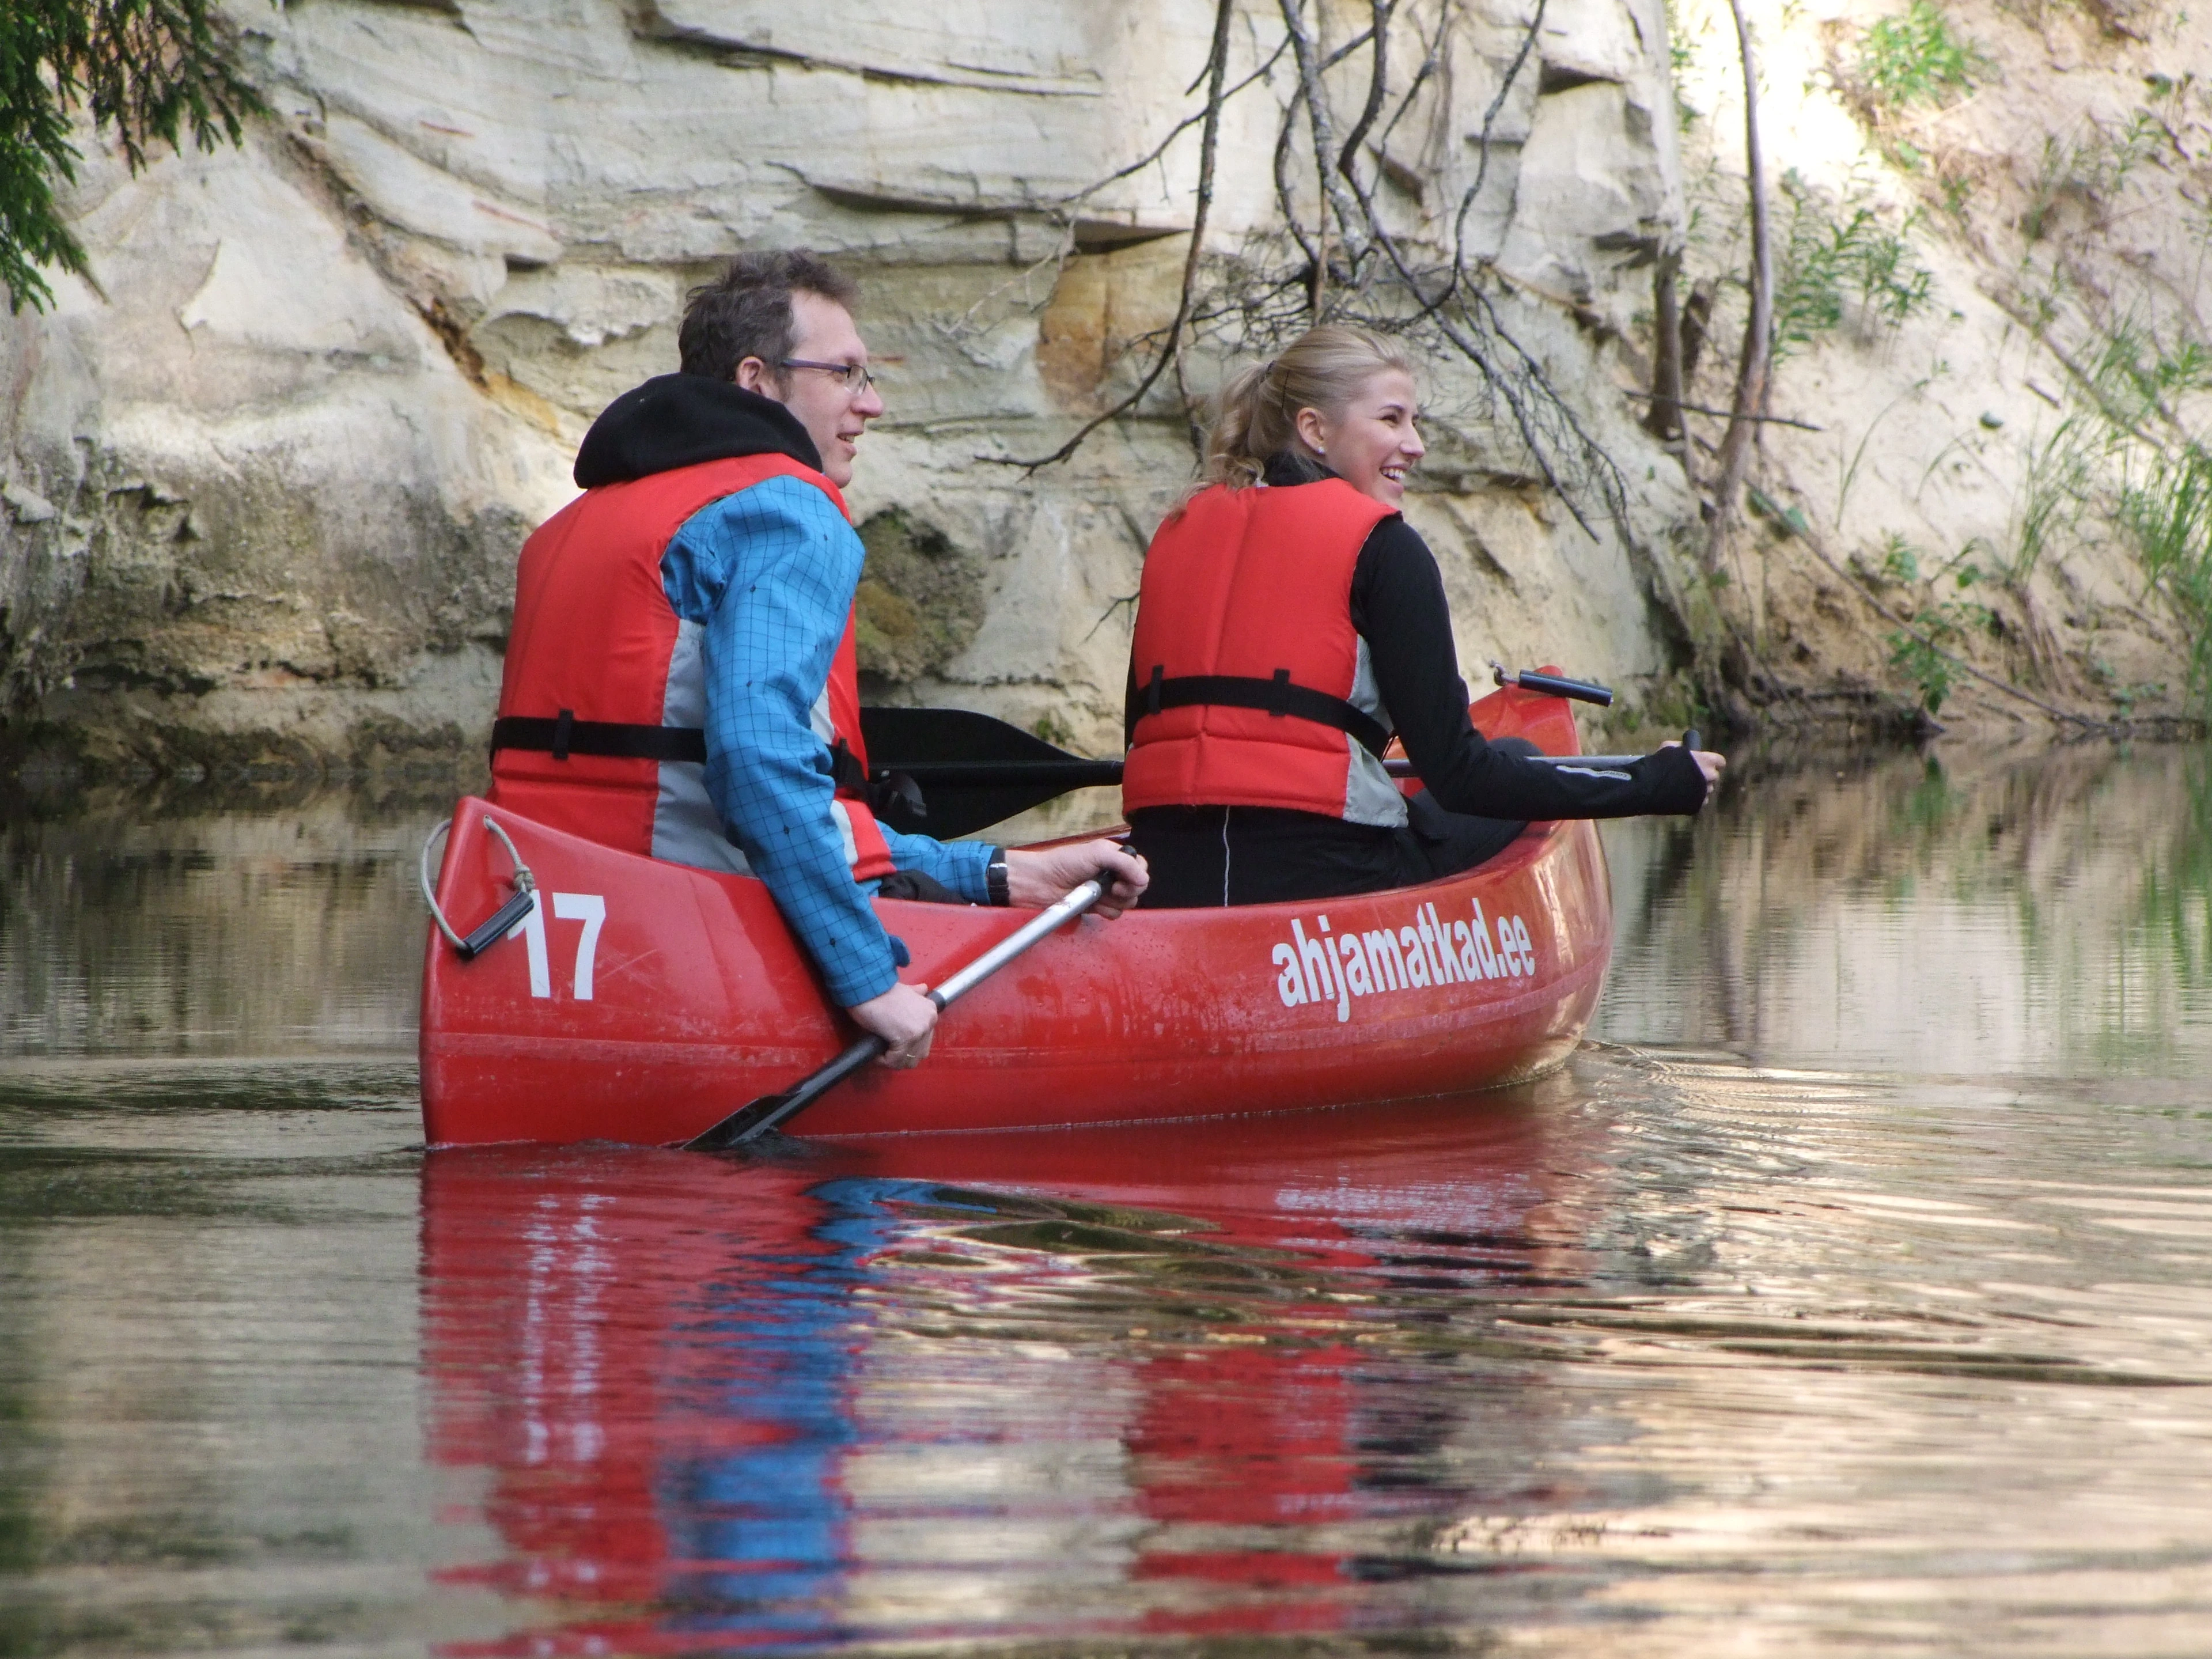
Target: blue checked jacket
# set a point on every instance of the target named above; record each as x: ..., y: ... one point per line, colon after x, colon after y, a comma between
x: 768, y: 576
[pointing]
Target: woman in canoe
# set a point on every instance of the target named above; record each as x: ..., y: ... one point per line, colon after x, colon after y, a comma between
x: 1290, y: 623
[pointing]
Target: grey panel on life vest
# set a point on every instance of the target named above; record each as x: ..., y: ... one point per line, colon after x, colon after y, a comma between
x: 686, y: 829
x: 1370, y: 795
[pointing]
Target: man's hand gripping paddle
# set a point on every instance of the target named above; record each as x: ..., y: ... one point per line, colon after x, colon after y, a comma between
x: 749, y: 1122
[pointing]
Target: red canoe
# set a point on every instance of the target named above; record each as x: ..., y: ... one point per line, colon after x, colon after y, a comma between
x: 642, y: 1001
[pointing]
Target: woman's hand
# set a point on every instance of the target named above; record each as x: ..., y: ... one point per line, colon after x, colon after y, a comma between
x: 904, y: 1017
x: 1037, y: 879
x: 1708, y: 762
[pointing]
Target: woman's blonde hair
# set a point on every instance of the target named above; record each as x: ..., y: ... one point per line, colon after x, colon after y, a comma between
x: 1256, y: 413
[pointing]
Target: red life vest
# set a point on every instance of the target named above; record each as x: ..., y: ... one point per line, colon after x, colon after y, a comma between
x: 1254, y: 686
x: 602, y: 706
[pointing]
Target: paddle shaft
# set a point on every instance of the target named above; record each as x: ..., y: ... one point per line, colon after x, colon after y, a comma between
x: 1074, y: 773
x: 757, y: 1118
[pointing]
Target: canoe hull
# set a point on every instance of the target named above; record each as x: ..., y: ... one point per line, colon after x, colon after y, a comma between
x: 644, y: 1001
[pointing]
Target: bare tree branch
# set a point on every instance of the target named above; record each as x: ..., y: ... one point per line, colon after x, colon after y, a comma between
x: 1322, y: 124
x: 1378, y: 77
x: 1350, y: 257
x: 1171, y: 351
x: 1177, y: 129
x: 1482, y: 148
x: 1751, y: 379
x: 1431, y: 62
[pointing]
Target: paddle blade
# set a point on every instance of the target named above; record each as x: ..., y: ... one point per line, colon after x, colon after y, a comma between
x: 903, y: 738
x: 757, y: 1118
x: 745, y: 1124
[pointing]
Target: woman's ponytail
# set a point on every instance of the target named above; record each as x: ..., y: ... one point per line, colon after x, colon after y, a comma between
x: 1238, y: 408
x: 1256, y: 412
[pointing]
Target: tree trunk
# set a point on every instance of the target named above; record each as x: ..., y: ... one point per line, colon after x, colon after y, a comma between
x: 1751, y: 378
x: 1664, y: 419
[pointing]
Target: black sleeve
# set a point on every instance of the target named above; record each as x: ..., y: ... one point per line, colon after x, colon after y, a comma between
x: 1398, y: 608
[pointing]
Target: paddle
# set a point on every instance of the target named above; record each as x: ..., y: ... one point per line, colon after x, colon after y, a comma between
x: 756, y: 1119
x: 968, y: 771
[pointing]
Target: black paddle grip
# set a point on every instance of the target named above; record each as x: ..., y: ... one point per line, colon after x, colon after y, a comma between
x: 495, y: 927
x: 1559, y: 686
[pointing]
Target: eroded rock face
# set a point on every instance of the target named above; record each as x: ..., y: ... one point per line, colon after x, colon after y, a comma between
x: 263, y: 498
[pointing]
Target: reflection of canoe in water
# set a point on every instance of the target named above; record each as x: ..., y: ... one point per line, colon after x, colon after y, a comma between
x: 1173, y: 1385
x: 655, y: 998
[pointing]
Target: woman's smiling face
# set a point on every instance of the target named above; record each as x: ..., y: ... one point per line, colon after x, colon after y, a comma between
x: 1370, y: 443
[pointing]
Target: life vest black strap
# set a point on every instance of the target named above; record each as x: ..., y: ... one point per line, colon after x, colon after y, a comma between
x: 845, y: 769
x: 566, y: 735
x: 1274, y: 696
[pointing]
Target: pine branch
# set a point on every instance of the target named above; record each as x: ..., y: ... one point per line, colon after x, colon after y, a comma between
x: 150, y: 70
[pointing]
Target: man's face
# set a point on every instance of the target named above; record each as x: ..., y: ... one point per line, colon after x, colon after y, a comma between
x: 834, y: 416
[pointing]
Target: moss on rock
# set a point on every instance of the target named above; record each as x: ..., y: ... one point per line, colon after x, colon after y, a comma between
x: 921, y: 599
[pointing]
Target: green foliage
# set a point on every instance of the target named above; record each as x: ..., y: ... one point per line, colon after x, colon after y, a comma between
x: 1900, y: 559
x: 1836, y: 257
x: 1681, y: 57
x: 2168, y: 507
x: 1922, y: 654
x: 2135, y: 370
x: 2091, y: 168
x: 2055, y: 490
x: 148, y: 70
x: 1915, y: 59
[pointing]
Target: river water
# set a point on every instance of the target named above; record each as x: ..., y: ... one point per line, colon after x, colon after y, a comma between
x: 1850, y: 1291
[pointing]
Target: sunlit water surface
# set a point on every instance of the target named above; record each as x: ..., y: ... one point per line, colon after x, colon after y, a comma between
x: 1851, y: 1293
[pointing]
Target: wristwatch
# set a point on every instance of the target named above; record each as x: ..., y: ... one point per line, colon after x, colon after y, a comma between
x: 995, y: 879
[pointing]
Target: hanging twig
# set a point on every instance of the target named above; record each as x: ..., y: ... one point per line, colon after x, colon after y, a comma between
x: 1751, y: 368
x: 1377, y: 88
x: 1479, y: 321
x: 1482, y: 154
x: 1286, y: 199
x: 1063, y: 209
x: 1432, y: 63
x: 1348, y: 250
x: 1171, y: 350
x: 1322, y: 125
x: 1175, y: 131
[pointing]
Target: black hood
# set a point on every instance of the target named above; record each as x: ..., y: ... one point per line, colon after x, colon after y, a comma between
x: 681, y: 420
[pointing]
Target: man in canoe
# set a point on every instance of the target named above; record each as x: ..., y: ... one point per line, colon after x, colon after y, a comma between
x: 681, y: 678
x: 1288, y: 623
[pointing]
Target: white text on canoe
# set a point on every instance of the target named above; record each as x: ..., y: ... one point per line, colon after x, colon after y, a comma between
x: 1325, y: 966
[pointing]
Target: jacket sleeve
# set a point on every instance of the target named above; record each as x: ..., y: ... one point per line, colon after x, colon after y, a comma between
x: 1398, y: 606
x: 958, y: 863
x: 768, y: 574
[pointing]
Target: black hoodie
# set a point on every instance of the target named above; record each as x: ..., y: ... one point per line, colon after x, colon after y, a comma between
x: 682, y: 420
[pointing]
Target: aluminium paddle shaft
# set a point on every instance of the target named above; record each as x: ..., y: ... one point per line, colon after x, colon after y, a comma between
x: 757, y: 1118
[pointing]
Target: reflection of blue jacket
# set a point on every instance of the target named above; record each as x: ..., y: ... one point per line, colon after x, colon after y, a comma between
x: 768, y: 1523
x: 768, y: 574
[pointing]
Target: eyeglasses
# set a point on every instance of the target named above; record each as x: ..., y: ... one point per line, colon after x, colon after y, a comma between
x: 853, y: 377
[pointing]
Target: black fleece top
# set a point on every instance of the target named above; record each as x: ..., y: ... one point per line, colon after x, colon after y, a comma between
x: 682, y: 420
x: 1398, y: 606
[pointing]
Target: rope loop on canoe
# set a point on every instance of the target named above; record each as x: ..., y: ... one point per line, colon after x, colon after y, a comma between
x: 525, y: 882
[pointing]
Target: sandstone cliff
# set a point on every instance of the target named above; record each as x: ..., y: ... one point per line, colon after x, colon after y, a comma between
x: 263, y: 491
